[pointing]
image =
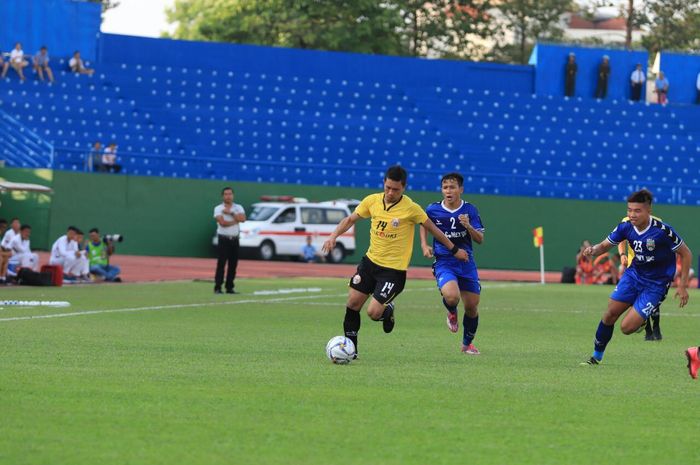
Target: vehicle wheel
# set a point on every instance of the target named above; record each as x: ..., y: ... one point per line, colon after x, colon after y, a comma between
x: 337, y: 254
x: 266, y: 250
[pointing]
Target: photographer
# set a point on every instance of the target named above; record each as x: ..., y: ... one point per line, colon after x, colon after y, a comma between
x: 99, y: 250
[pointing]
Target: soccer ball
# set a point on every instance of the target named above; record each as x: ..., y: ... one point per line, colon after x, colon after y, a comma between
x: 340, y: 350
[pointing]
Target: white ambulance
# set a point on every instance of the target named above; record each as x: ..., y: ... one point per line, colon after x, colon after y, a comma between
x: 280, y: 228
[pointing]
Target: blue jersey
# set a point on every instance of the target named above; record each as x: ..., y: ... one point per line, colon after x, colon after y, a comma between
x: 654, y: 249
x: 447, y: 221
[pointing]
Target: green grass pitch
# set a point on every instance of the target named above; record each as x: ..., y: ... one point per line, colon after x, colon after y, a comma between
x: 177, y: 375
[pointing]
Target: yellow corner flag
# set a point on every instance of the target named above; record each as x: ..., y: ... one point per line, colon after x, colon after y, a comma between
x: 538, y: 236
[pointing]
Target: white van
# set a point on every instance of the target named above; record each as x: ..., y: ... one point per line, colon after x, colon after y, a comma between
x: 281, y: 228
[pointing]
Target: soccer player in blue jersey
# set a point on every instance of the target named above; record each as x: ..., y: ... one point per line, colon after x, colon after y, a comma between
x: 646, y: 282
x: 460, y: 222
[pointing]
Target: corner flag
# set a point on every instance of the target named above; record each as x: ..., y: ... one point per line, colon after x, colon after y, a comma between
x: 538, y: 236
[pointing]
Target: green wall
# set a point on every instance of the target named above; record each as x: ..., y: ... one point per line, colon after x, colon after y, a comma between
x: 173, y: 217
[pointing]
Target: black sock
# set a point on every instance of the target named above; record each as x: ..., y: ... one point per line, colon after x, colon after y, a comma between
x: 470, y: 325
x: 351, y: 325
x: 451, y: 309
x: 655, y: 318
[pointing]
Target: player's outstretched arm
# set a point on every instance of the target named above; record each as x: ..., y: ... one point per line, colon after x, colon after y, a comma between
x: 682, y: 289
x: 598, y: 249
x: 345, y: 224
x: 427, y: 250
x: 441, y: 238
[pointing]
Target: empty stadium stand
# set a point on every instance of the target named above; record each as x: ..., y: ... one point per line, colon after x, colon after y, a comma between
x: 245, y: 123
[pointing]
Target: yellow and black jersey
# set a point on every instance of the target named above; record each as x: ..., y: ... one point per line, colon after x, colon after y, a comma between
x: 392, y: 230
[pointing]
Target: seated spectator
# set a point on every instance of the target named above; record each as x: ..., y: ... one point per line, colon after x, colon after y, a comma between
x: 661, y: 88
x: 22, y: 253
x: 309, y: 253
x: 41, y: 64
x: 99, y: 250
x: 77, y: 66
x: 605, y: 269
x: 584, y: 265
x: 94, y: 160
x: 65, y: 252
x: 4, y: 253
x: 17, y: 61
x: 109, y: 159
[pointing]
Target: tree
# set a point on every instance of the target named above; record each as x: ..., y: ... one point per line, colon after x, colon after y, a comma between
x: 530, y: 20
x: 444, y: 27
x: 394, y: 27
x: 673, y: 25
x: 364, y: 26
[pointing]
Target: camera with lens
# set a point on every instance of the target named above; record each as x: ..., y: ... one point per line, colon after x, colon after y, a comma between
x: 114, y: 237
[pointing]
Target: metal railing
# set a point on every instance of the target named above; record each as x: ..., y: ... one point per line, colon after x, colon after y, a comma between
x: 22, y: 147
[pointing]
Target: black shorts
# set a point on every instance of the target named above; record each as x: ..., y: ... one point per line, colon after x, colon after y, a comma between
x: 383, y: 283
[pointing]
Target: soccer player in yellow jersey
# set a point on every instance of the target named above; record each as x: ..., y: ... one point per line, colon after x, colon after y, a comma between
x: 382, y: 271
x: 652, y: 327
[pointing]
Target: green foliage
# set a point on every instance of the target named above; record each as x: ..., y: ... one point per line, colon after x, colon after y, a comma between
x: 394, y: 27
x: 243, y: 380
x: 529, y: 21
x: 673, y: 24
x: 358, y: 26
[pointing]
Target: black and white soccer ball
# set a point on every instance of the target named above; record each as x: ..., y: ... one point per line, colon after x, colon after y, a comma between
x: 340, y: 350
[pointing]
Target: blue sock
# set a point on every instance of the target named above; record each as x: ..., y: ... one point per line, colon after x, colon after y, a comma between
x: 602, y: 337
x: 470, y: 325
x: 452, y: 309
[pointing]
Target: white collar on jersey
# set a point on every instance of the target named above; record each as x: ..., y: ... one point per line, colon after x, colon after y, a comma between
x: 645, y: 229
x: 442, y: 204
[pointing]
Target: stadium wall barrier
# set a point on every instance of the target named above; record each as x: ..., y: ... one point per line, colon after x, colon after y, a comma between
x: 117, y: 49
x: 550, y: 61
x: 64, y: 26
x: 31, y: 208
x: 173, y: 217
x: 682, y: 73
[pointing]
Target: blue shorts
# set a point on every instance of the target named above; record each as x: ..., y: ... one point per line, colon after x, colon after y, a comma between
x: 466, y: 276
x: 644, y: 296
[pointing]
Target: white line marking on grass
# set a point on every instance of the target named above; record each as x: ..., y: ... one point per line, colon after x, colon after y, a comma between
x: 165, y: 307
x: 288, y: 291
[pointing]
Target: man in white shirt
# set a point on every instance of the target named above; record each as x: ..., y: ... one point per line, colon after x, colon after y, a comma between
x: 227, y: 215
x: 17, y: 61
x: 22, y: 253
x: 637, y: 81
x: 65, y: 252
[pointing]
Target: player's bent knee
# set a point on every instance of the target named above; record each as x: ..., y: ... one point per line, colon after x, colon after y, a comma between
x: 451, y: 300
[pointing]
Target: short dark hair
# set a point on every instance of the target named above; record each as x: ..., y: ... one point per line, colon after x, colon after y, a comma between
x: 396, y: 173
x: 454, y: 176
x: 14, y: 219
x: 43, y: 47
x: 3, y: 221
x: 641, y: 196
x: 94, y: 230
x: 78, y: 231
x: 226, y: 189
x: 24, y: 226
x: 72, y: 228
